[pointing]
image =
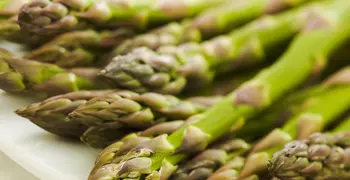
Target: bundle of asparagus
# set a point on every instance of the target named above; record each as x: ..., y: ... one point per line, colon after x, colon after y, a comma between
x: 192, y: 65
x: 211, y: 22
x: 156, y: 158
x: 112, y: 68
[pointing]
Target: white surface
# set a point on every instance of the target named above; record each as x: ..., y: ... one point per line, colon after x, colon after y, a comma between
x: 42, y: 154
x: 9, y: 170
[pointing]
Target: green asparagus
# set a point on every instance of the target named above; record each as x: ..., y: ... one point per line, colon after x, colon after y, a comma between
x: 51, y: 113
x: 157, y: 157
x: 322, y: 110
x: 320, y: 156
x: 127, y: 108
x: 170, y: 69
x: 100, y: 137
x: 79, y: 48
x: 49, y: 17
x: 214, y: 21
x: 18, y: 75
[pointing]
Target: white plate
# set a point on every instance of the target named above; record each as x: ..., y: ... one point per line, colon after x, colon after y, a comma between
x: 42, y: 154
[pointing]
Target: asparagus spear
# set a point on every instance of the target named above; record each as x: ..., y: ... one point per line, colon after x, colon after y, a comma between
x: 48, y: 17
x: 18, y: 75
x: 127, y: 108
x: 156, y: 158
x: 170, y: 69
x: 79, y: 48
x: 320, y: 156
x: 214, y: 21
x: 322, y: 111
x: 51, y: 113
x: 121, y: 147
x: 100, y: 137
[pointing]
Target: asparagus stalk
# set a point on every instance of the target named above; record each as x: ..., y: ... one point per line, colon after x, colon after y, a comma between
x: 322, y: 110
x: 320, y: 156
x: 79, y: 48
x: 50, y: 114
x: 170, y: 69
x: 214, y: 21
x: 18, y: 75
x: 156, y: 158
x: 49, y: 17
x: 127, y: 108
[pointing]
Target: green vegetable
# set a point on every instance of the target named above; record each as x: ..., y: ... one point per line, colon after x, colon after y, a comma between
x: 157, y: 157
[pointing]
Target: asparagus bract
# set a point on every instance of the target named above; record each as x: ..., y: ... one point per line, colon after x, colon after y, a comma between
x: 48, y: 17
x: 18, y: 75
x: 321, y: 111
x: 212, y: 22
x: 79, y: 48
x: 127, y: 108
x: 170, y: 69
x: 320, y: 156
x: 205, y: 163
x: 51, y: 113
x: 157, y: 157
